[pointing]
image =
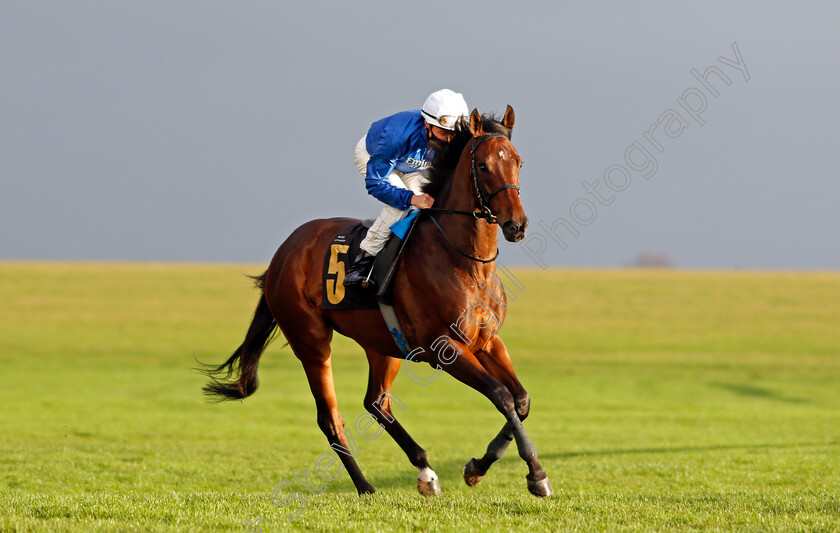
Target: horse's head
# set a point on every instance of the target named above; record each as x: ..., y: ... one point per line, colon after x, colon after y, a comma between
x: 495, y: 173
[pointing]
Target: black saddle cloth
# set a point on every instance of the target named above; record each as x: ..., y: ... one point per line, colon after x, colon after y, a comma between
x: 342, y: 251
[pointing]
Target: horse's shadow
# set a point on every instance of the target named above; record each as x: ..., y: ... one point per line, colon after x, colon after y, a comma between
x: 683, y: 449
x: 757, y: 392
x: 450, y: 471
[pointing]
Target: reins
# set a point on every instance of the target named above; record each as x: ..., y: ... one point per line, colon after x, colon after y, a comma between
x: 465, y: 254
x: 483, y: 212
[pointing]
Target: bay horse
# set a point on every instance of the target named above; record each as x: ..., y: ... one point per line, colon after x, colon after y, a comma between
x: 475, y: 182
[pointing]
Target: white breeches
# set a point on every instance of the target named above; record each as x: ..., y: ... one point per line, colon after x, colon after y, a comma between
x: 379, y: 232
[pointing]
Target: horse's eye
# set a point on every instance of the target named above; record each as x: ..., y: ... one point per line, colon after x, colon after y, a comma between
x: 521, y: 164
x: 482, y: 167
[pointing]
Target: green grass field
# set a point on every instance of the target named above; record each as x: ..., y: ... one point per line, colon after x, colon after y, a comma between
x: 661, y: 400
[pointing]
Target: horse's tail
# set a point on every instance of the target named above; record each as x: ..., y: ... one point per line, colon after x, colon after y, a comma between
x: 245, y: 359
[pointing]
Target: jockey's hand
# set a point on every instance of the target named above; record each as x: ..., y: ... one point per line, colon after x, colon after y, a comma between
x: 423, y: 201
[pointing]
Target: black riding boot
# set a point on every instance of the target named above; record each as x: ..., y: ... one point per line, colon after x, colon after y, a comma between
x: 360, y: 271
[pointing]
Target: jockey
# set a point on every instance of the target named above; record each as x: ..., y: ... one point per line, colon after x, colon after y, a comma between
x: 391, y: 157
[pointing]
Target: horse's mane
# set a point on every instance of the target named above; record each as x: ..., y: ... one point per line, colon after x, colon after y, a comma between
x: 445, y: 158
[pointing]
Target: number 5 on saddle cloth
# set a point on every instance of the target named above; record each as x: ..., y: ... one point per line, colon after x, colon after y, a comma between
x: 344, y: 247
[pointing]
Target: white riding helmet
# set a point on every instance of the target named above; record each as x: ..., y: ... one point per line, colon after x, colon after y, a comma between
x: 443, y: 108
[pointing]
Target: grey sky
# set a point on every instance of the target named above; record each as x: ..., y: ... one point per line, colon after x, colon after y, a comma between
x: 207, y: 131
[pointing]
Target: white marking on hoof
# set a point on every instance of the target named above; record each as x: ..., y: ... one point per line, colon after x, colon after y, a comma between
x: 427, y: 474
x: 427, y: 482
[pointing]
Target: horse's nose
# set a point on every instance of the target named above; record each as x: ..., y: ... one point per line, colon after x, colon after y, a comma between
x: 510, y: 227
x: 514, y: 231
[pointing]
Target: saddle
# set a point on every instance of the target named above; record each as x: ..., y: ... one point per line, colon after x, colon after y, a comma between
x: 343, y: 248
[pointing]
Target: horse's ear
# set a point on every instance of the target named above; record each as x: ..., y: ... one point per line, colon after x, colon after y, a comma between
x: 508, y: 120
x: 475, y: 123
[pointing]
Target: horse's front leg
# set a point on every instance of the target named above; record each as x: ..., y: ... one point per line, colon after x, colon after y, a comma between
x: 475, y: 469
x: 495, y: 359
x: 465, y: 367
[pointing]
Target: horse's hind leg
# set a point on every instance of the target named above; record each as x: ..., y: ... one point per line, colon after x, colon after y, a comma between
x: 378, y: 401
x: 310, y: 338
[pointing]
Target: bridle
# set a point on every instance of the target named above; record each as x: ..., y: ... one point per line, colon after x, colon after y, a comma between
x: 483, y: 212
x: 484, y: 199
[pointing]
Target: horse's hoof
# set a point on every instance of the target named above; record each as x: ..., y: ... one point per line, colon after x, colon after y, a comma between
x: 366, y: 489
x: 541, y: 488
x: 472, y: 474
x: 428, y: 488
